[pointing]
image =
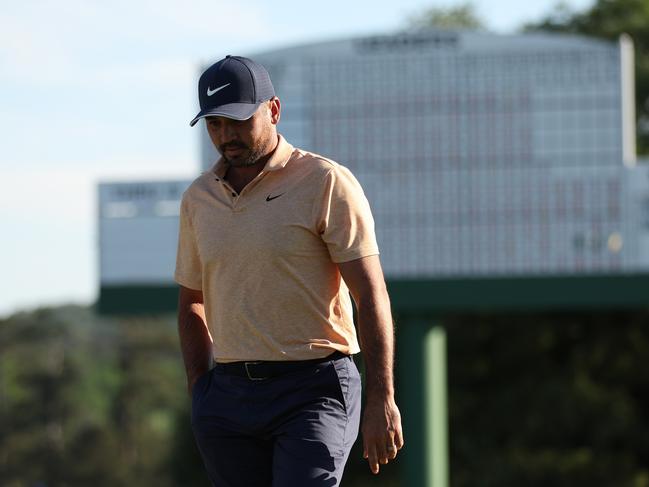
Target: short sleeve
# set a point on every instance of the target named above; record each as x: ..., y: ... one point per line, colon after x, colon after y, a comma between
x: 344, y: 218
x: 188, y: 263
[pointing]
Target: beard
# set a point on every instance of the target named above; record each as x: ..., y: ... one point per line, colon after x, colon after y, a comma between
x: 249, y: 156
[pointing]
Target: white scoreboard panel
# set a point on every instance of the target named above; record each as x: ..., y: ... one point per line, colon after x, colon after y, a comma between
x: 138, y: 232
x: 511, y: 222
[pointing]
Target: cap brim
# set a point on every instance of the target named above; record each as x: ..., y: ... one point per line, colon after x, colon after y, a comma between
x: 235, y: 111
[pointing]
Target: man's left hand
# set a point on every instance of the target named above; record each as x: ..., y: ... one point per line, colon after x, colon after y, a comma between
x: 382, y: 434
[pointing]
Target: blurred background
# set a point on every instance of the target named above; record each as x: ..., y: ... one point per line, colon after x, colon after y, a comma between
x: 501, y: 145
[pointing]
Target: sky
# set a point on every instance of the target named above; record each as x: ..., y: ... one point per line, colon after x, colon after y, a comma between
x: 96, y: 91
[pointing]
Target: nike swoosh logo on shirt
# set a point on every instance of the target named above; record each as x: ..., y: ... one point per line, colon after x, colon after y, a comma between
x: 211, y: 92
x: 269, y: 198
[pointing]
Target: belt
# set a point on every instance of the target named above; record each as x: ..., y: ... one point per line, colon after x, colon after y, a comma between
x: 263, y: 370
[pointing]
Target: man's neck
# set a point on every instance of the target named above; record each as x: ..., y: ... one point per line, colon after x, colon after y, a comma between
x: 239, y: 177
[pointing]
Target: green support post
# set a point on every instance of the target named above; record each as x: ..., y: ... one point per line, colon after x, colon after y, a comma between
x: 421, y: 361
x: 436, y: 408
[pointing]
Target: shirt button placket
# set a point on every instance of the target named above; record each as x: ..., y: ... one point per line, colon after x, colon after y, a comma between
x: 233, y: 193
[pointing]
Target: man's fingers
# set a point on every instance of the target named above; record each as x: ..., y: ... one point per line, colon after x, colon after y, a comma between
x: 398, y: 438
x: 372, y: 459
x: 387, y: 449
x: 382, y: 437
x: 392, y: 451
x: 384, y: 448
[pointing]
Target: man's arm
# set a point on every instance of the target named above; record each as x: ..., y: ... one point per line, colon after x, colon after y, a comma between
x: 381, y: 426
x: 195, y: 339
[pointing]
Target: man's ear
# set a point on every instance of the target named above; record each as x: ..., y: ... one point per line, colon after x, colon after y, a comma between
x: 275, y: 110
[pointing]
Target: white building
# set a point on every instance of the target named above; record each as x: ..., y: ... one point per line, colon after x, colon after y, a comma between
x: 481, y: 154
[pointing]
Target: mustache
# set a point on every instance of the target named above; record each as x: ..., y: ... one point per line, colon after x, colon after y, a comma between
x: 232, y: 145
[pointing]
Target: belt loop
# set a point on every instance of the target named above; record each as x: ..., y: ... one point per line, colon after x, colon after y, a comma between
x: 246, y: 364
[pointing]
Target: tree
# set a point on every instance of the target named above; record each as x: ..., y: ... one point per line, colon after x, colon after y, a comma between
x: 458, y: 17
x: 91, y: 400
x: 608, y: 19
x: 549, y: 398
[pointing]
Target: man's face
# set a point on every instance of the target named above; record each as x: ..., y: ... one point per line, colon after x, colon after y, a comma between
x: 244, y: 142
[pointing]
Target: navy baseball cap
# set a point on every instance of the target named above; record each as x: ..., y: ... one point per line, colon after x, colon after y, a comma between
x: 234, y: 88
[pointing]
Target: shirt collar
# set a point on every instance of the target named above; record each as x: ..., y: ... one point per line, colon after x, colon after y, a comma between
x: 278, y: 159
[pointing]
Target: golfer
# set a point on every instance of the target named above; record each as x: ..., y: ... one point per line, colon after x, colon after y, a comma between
x: 272, y: 241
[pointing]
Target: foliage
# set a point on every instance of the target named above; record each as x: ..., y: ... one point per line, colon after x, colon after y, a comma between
x: 86, y: 400
x: 557, y: 399
x: 609, y: 19
x: 461, y: 16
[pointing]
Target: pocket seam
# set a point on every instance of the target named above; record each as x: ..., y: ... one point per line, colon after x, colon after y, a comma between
x: 342, y: 388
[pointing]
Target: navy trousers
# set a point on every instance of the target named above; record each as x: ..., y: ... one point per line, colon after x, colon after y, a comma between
x: 294, y: 430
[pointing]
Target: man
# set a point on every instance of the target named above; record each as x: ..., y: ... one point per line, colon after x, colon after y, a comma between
x: 272, y: 240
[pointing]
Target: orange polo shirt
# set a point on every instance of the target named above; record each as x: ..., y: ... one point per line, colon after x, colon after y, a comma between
x: 265, y: 259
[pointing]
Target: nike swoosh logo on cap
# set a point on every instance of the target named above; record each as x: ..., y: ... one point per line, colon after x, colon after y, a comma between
x: 211, y: 92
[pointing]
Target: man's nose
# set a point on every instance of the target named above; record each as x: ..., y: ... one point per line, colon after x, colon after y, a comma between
x: 225, y: 131
x: 228, y: 130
